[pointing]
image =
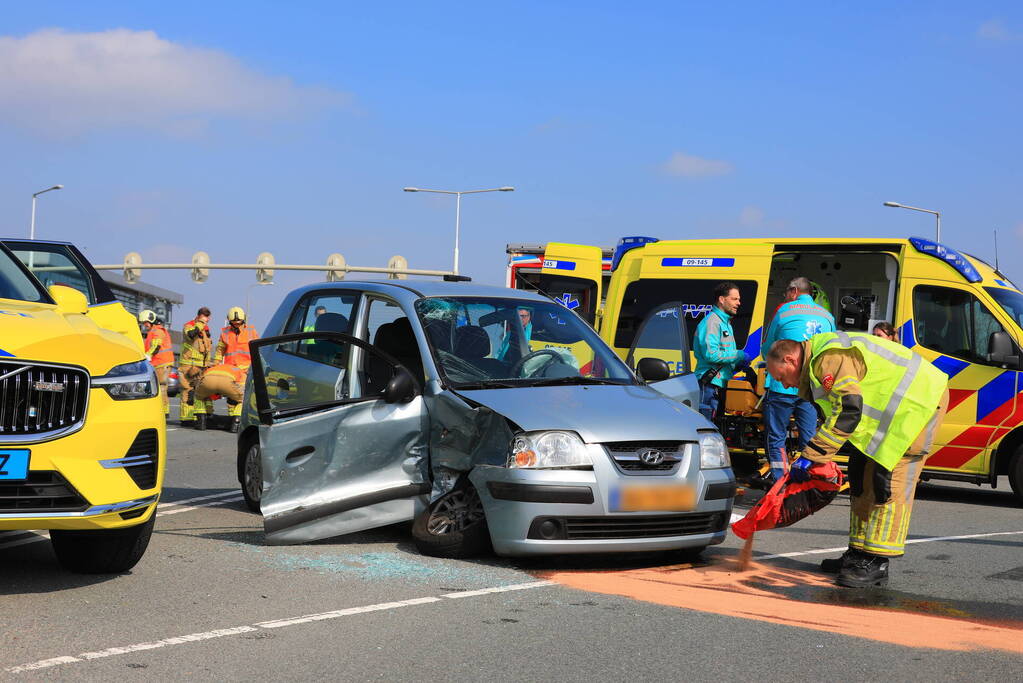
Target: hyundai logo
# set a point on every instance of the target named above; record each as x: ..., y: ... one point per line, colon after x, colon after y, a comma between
x: 651, y: 456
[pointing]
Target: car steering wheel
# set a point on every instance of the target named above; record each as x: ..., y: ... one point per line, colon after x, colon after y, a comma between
x: 521, y: 362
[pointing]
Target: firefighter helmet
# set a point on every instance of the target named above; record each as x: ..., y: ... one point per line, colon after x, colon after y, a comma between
x: 236, y: 313
x: 147, y: 316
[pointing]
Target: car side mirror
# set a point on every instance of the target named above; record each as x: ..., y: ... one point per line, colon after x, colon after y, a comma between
x: 1000, y: 349
x: 400, y: 388
x: 68, y: 299
x: 653, y: 370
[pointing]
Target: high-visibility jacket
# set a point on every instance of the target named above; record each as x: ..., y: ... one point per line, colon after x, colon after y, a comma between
x: 715, y: 349
x: 195, y: 344
x: 233, y: 346
x: 798, y: 320
x: 900, y: 392
x: 233, y: 371
x: 158, y: 346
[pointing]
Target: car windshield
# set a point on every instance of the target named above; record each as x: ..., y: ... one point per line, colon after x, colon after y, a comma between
x: 16, y: 284
x: 484, y: 342
x: 1011, y: 302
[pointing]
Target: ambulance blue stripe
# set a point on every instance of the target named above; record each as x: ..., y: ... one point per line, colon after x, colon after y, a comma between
x: 950, y: 366
x: 995, y: 394
x: 753, y: 343
x: 906, y: 334
x: 559, y: 265
x: 691, y: 262
x: 4, y: 353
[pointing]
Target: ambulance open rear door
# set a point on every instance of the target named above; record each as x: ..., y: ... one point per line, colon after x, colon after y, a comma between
x: 572, y: 275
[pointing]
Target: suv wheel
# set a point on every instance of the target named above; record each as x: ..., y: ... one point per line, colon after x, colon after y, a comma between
x: 106, y: 551
x: 250, y: 471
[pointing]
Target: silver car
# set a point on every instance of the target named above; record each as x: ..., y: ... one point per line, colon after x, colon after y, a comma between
x: 489, y: 417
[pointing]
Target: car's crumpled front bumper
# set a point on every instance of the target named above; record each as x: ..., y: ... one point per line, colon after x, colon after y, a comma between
x: 577, y: 504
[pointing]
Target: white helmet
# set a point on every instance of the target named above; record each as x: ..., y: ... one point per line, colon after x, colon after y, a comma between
x: 236, y: 313
x: 147, y: 316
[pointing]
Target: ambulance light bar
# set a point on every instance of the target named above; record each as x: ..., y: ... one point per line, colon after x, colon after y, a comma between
x: 948, y: 255
x: 627, y: 243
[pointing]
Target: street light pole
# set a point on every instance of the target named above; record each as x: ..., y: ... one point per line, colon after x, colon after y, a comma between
x: 458, y: 209
x: 32, y: 226
x: 937, y: 216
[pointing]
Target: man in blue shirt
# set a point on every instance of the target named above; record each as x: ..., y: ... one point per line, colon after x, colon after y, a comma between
x: 798, y: 319
x: 717, y: 357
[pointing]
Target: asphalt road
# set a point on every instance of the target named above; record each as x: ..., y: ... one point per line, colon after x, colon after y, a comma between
x: 210, y: 600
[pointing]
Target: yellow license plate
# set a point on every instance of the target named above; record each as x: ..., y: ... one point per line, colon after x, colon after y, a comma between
x: 664, y: 498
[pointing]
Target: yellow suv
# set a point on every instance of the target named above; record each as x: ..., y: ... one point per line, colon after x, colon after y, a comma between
x: 82, y: 432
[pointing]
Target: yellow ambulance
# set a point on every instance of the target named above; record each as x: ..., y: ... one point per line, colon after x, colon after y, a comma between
x: 952, y: 308
x: 82, y: 433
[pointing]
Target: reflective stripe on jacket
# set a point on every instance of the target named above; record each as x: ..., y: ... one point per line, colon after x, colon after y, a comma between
x: 714, y: 347
x: 158, y: 346
x: 797, y: 320
x: 882, y: 412
x: 195, y: 344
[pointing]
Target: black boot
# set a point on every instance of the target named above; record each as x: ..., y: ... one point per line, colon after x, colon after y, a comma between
x: 233, y: 427
x: 864, y: 571
x: 200, y: 422
x: 833, y: 565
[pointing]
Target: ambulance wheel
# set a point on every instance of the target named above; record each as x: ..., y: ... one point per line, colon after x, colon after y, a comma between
x: 454, y: 526
x: 250, y: 472
x: 1016, y: 474
x: 106, y: 551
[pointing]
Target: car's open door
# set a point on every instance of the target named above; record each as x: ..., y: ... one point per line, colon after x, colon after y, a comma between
x: 663, y: 334
x: 572, y: 275
x: 341, y: 451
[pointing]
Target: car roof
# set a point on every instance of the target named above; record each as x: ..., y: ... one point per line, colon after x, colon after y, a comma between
x: 427, y: 288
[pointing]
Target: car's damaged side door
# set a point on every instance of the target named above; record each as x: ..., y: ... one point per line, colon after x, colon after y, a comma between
x: 346, y: 446
x: 663, y: 335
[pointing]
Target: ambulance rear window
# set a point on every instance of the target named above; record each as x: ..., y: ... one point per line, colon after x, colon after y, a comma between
x: 697, y: 297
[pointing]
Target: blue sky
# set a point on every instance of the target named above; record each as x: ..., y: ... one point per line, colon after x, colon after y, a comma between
x: 253, y: 127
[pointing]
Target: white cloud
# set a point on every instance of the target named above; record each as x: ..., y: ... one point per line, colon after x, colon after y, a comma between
x: 689, y: 166
x: 64, y: 83
x: 995, y: 30
x: 751, y: 216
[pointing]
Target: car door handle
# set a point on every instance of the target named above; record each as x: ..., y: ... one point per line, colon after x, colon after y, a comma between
x: 299, y: 453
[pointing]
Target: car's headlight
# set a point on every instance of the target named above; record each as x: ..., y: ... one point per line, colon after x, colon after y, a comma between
x: 713, y: 452
x: 129, y: 381
x: 540, y: 450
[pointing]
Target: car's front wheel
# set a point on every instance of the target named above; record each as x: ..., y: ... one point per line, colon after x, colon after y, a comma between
x: 455, y: 526
x: 250, y: 469
x: 105, y: 551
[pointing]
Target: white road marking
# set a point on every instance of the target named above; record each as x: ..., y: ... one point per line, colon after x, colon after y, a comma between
x: 279, y: 623
x: 929, y: 539
x: 735, y: 518
x: 165, y: 509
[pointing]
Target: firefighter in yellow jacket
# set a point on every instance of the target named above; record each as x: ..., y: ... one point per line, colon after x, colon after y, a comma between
x: 196, y: 356
x: 886, y: 403
x: 159, y: 351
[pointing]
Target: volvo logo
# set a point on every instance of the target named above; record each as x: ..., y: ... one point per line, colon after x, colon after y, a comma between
x: 651, y: 456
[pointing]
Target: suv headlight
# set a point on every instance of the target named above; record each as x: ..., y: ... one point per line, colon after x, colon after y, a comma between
x: 548, y: 450
x: 713, y: 452
x: 129, y: 381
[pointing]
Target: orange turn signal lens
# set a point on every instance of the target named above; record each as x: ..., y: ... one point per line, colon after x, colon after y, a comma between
x: 525, y: 459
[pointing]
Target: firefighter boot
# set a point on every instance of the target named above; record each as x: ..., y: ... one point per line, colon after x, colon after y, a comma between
x: 833, y: 565
x: 233, y: 427
x: 864, y: 571
x: 200, y: 421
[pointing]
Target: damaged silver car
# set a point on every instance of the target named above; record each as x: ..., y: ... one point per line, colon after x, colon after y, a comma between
x: 489, y: 417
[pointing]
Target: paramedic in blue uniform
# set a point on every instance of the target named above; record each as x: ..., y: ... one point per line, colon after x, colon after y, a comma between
x: 717, y: 357
x: 798, y: 319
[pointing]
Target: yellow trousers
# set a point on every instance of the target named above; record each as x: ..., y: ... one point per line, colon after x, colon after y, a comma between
x: 161, y: 376
x: 218, y: 384
x: 189, y: 376
x: 882, y: 501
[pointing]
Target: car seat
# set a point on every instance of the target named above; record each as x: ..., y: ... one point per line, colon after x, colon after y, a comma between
x: 325, y: 350
x: 397, y: 339
x: 472, y: 344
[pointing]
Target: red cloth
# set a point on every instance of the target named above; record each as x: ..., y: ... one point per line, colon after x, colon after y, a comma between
x: 788, y: 502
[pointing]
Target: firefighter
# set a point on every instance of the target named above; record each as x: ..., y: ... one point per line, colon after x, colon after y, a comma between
x: 233, y: 346
x: 886, y: 403
x: 224, y: 380
x: 232, y: 351
x: 159, y: 351
x: 196, y: 352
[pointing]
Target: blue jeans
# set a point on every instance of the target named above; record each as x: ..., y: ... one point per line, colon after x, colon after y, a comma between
x: 710, y: 396
x: 778, y: 408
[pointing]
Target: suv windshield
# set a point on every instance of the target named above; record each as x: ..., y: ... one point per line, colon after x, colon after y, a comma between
x: 492, y: 343
x: 1010, y: 301
x: 16, y: 284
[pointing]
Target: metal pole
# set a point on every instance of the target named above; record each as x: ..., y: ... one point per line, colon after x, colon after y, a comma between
x: 32, y: 228
x: 458, y: 220
x: 937, y: 217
